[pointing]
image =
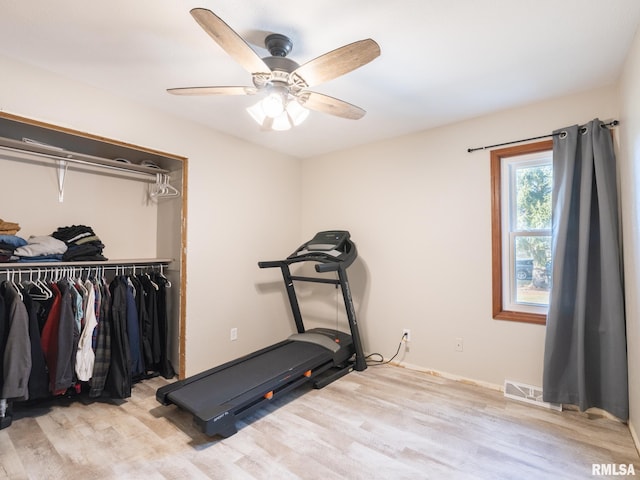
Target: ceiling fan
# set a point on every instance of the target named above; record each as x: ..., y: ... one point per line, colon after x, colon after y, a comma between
x: 280, y: 82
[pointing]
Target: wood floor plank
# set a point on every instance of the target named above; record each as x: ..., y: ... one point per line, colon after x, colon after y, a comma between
x: 387, y: 422
x: 10, y: 464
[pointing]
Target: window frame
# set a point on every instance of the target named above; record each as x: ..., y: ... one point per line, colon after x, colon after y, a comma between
x: 499, y: 311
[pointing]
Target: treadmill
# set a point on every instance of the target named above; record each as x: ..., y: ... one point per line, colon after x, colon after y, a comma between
x: 219, y: 396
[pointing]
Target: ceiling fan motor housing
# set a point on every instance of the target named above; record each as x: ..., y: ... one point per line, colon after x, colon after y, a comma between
x: 280, y: 63
x: 278, y: 45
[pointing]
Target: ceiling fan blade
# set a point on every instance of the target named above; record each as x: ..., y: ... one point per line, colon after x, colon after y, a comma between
x: 338, y: 62
x: 332, y: 106
x: 229, y: 40
x: 213, y: 91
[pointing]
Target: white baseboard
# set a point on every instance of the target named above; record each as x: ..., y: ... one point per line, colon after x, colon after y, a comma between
x: 449, y: 376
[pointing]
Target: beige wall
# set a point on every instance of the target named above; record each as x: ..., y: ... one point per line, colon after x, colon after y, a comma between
x: 243, y: 207
x: 630, y: 194
x: 418, y: 208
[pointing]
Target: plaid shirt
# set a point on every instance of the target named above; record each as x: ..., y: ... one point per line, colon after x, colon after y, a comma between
x: 103, y: 346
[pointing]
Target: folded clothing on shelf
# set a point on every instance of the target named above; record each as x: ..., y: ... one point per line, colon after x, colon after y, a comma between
x: 8, y: 245
x: 41, y: 246
x: 8, y: 228
x: 82, y: 243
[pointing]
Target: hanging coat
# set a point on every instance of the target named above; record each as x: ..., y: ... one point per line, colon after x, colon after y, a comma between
x: 85, y: 356
x: 17, y: 351
x: 164, y: 366
x: 67, y: 341
x: 133, y: 332
x: 119, y: 377
x: 39, y: 378
x: 102, y: 360
x: 49, y: 336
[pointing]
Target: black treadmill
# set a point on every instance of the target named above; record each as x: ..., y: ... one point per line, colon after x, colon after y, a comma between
x: 220, y: 395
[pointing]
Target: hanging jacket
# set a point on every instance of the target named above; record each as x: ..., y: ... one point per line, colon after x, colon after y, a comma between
x: 102, y: 361
x: 85, y: 356
x: 39, y: 377
x: 119, y: 377
x: 17, y: 352
x: 133, y: 332
x: 4, y: 327
x: 151, y: 334
x: 49, y: 336
x: 144, y: 325
x: 164, y: 366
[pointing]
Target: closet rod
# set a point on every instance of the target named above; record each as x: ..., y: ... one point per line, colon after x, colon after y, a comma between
x: 61, y: 155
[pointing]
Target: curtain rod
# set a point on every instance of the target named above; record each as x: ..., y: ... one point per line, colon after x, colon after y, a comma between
x: 613, y: 123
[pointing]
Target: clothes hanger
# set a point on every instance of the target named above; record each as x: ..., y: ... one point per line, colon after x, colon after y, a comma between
x: 162, y: 188
x: 167, y: 281
x: 41, y: 294
x: 79, y: 284
x: 154, y: 284
x: 13, y: 284
x: 43, y: 286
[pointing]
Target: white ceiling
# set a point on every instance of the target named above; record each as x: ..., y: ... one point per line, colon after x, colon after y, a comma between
x: 441, y: 62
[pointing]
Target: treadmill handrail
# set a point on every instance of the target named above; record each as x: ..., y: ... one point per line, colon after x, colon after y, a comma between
x: 320, y: 267
x: 326, y: 263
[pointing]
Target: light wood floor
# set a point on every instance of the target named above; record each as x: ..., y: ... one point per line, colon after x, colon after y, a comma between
x: 384, y: 423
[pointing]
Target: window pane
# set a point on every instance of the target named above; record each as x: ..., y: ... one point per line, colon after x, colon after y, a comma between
x: 533, y: 197
x: 521, y: 189
x: 532, y: 269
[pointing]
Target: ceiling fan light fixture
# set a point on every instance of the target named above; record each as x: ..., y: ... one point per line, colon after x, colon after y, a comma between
x: 296, y: 112
x: 275, y: 101
x: 293, y: 114
x: 273, y: 104
x: 281, y: 123
x: 257, y: 112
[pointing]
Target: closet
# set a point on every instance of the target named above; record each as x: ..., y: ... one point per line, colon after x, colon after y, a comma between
x: 134, y: 197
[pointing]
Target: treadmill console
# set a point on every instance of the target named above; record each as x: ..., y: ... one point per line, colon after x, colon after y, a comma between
x: 331, y: 240
x: 332, y: 243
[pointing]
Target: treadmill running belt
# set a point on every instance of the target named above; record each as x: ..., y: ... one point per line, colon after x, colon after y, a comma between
x: 257, y: 375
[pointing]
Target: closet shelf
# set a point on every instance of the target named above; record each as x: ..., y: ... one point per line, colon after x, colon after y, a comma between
x: 126, y: 262
x: 46, y: 152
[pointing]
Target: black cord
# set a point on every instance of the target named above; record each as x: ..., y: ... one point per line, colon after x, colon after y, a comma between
x: 381, y: 361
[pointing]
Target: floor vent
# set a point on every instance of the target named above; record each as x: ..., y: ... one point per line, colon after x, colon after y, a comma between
x: 527, y: 393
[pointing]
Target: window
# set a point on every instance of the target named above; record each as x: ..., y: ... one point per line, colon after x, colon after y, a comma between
x: 521, y: 179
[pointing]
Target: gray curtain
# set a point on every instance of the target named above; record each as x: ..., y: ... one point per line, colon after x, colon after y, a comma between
x: 585, y: 357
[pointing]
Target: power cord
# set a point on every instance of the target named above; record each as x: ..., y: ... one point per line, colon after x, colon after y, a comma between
x: 375, y: 363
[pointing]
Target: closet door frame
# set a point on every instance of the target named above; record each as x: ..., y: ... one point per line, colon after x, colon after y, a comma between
x: 168, y: 161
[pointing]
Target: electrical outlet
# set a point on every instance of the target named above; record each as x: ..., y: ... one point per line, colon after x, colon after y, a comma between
x: 234, y: 334
x: 459, y: 344
x: 406, y: 334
